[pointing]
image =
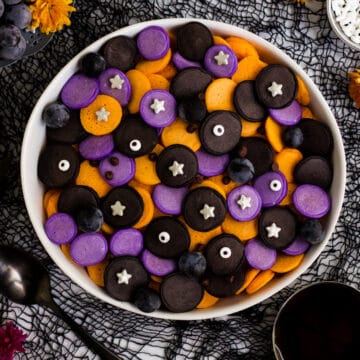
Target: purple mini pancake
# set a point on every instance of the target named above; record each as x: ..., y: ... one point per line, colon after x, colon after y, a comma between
x: 158, y: 108
x: 126, y: 242
x: 181, y: 63
x: 211, y: 165
x: 79, y: 91
x: 153, y: 42
x: 258, y: 255
x: 60, y: 228
x: 299, y: 246
x: 244, y: 203
x: 168, y: 199
x: 289, y: 115
x: 117, y: 169
x: 272, y: 187
x: 89, y: 249
x: 311, y: 201
x: 156, y: 265
x: 96, y: 147
x: 220, y: 61
x: 115, y: 83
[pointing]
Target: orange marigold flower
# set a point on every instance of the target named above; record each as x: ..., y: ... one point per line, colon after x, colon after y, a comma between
x: 50, y: 15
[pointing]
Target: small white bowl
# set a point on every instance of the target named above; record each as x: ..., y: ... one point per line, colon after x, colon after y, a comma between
x: 337, y: 28
x: 33, y: 190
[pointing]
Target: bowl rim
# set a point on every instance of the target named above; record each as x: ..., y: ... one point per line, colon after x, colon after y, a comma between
x: 337, y: 29
x: 31, y: 181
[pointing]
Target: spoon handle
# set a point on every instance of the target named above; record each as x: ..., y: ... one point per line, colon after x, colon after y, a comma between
x: 94, y: 345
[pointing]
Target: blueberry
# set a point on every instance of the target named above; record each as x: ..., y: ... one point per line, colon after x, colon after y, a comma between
x: 93, y: 64
x: 146, y: 299
x: 312, y: 231
x: 240, y: 170
x: 90, y: 219
x: 192, y: 263
x: 12, y: 44
x: 2, y: 7
x: 192, y: 109
x: 56, y: 115
x: 293, y: 137
x: 18, y: 15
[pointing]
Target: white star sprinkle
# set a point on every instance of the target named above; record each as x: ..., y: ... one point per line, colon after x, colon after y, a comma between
x: 123, y: 277
x: 244, y: 202
x: 118, y: 209
x: 158, y: 106
x: 102, y: 114
x: 116, y: 82
x: 222, y: 58
x: 177, y: 168
x: 275, y: 89
x: 273, y: 230
x: 207, y: 211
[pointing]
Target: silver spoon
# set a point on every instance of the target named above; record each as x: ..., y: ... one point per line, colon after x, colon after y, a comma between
x: 25, y: 281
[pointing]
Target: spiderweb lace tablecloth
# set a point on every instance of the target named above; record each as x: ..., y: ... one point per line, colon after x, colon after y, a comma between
x: 303, y: 32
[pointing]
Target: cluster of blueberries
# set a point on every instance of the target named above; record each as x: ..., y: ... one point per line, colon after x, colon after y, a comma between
x: 15, y: 16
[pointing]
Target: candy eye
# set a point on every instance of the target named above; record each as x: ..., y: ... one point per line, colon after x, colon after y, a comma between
x: 64, y: 165
x: 225, y: 252
x: 218, y: 130
x: 164, y: 237
x: 275, y: 185
x: 135, y: 145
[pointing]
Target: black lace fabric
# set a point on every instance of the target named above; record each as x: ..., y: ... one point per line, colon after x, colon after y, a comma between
x: 303, y: 32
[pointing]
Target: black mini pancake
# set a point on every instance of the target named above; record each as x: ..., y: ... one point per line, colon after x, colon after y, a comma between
x: 258, y: 151
x: 77, y: 197
x: 166, y: 237
x: 120, y: 52
x: 247, y: 104
x: 129, y: 198
x: 317, y: 138
x: 182, y: 155
x: 193, y: 40
x: 213, y: 142
x: 224, y: 254
x: 58, y: 165
x: 71, y: 133
x: 281, y: 75
x: 189, y: 82
x: 132, y: 130
x: 195, y: 201
x: 285, y: 220
x: 132, y: 265
x: 314, y: 170
x: 222, y: 286
x: 180, y: 293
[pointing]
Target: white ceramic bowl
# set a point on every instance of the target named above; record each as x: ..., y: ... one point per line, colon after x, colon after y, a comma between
x: 337, y: 28
x: 33, y: 190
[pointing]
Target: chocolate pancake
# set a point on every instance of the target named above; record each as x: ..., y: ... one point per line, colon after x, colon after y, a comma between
x: 123, y: 276
x: 314, y: 170
x: 220, y: 132
x: 276, y: 75
x: 133, y: 137
x: 193, y: 39
x: 166, y: 237
x: 277, y: 227
x: 224, y: 254
x: 180, y: 293
x: 247, y: 104
x: 58, y: 165
x: 77, y: 197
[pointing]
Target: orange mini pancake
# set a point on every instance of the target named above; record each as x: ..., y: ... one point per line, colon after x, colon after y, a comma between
x: 224, y: 183
x: 219, y: 95
x: 140, y: 85
x: 285, y: 263
x: 148, y: 212
x: 135, y: 184
x: 244, y: 230
x: 273, y: 132
x: 207, y: 301
x: 248, y: 68
x: 307, y: 113
x: 286, y: 160
x: 241, y: 47
x: 102, y: 116
x: 107, y: 229
x: 287, y: 200
x: 51, y: 206
x: 65, y: 248
x: 90, y: 176
x: 218, y: 40
x: 169, y: 71
x: 260, y: 281
x: 145, y: 172
x: 249, y: 128
x: 177, y: 133
x: 96, y: 272
x: 159, y: 82
x: 210, y: 184
x: 249, y: 277
x: 303, y: 95
x: 154, y: 66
